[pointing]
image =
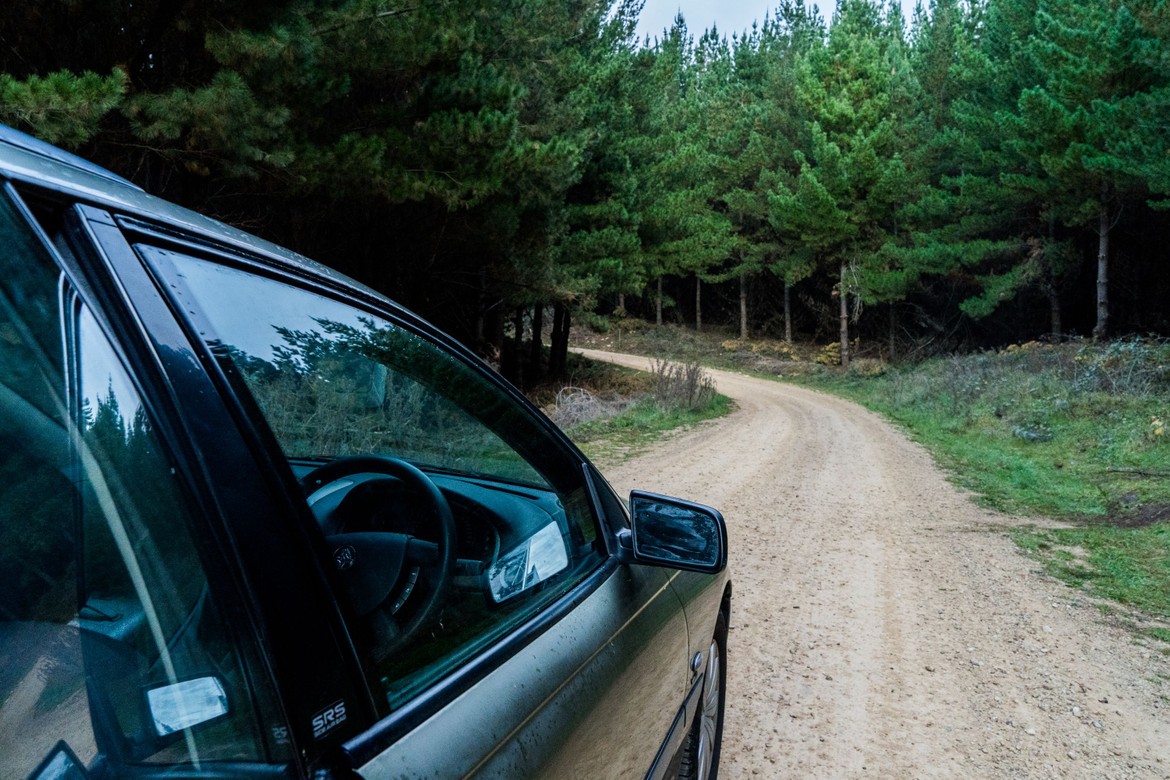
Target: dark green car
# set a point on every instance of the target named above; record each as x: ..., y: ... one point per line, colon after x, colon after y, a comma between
x: 258, y: 521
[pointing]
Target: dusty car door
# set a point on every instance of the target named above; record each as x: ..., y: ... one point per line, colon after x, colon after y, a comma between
x: 514, y: 645
x: 593, y: 695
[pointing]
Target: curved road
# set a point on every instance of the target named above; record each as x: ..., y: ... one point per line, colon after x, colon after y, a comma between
x: 882, y: 624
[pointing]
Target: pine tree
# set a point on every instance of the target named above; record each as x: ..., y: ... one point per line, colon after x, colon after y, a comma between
x: 1080, y: 121
x: 61, y: 107
x: 763, y: 132
x: 970, y: 224
x: 681, y: 232
x: 843, y: 205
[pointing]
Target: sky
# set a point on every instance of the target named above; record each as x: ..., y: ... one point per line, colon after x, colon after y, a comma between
x: 730, y: 15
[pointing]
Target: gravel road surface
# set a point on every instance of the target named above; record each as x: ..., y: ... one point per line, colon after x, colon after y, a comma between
x: 885, y: 626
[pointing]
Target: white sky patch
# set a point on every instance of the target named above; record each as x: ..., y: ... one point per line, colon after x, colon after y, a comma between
x: 731, y: 16
x: 101, y: 373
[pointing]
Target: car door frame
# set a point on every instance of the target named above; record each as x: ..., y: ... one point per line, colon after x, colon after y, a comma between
x: 292, y: 614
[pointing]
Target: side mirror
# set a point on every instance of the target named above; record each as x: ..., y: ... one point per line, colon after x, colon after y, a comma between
x: 674, y: 533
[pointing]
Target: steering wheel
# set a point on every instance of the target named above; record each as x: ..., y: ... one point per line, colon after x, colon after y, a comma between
x: 370, y: 563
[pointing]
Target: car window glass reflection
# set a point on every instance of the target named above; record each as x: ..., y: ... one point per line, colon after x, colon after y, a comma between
x: 148, y: 619
x: 334, y: 382
x: 371, y: 416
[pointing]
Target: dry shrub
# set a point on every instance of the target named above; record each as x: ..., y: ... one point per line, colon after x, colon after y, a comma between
x: 1135, y: 366
x: 830, y: 354
x: 576, y: 405
x: 763, y: 348
x: 790, y: 367
x: 681, y: 385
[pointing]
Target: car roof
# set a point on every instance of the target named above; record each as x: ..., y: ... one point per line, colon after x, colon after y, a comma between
x: 29, y: 160
x: 12, y: 137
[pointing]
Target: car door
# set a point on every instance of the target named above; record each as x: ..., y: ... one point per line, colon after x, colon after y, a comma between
x: 544, y: 657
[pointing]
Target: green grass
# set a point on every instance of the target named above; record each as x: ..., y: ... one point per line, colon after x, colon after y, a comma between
x: 1161, y: 634
x: 1127, y: 565
x: 595, y: 376
x: 1029, y: 435
x: 639, y: 427
x: 715, y: 347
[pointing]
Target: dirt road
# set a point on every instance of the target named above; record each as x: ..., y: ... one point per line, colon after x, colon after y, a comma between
x: 883, y: 625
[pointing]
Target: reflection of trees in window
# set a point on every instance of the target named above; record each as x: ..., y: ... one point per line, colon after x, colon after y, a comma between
x: 149, y: 507
x: 38, y: 647
x: 134, y: 470
x: 57, y: 461
x: 345, y: 390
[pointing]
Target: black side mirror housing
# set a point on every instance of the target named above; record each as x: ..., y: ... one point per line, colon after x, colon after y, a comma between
x: 674, y: 533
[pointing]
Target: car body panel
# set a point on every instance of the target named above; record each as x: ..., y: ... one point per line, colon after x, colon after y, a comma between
x: 548, y: 710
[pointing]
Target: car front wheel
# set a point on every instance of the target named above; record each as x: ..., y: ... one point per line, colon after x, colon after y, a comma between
x: 700, y: 759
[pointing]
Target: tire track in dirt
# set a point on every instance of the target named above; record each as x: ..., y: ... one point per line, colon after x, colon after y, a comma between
x: 885, y: 626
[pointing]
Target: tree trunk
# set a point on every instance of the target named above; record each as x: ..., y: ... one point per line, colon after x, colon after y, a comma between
x: 1054, y: 311
x: 658, y: 304
x: 844, y: 300
x: 509, y: 352
x: 893, y: 332
x: 536, y: 349
x: 743, y: 329
x: 566, y: 325
x: 1051, y: 288
x: 698, y: 304
x: 495, y: 330
x: 622, y: 304
x: 518, y: 345
x: 555, y: 369
x: 787, y: 311
x: 559, y: 351
x: 1103, y: 227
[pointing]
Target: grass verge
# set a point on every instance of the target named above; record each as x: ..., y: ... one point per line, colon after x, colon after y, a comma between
x: 1037, y: 431
x: 1127, y: 565
x: 638, y: 427
x: 1078, y: 432
x: 1075, y: 432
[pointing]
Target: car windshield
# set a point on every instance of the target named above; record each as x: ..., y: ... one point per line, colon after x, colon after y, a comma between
x: 334, y: 381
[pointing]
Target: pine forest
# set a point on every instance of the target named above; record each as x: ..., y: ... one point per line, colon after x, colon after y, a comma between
x: 985, y: 172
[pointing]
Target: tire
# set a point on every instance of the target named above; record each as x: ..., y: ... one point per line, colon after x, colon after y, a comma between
x: 700, y: 752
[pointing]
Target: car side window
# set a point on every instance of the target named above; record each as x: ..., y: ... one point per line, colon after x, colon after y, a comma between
x: 448, y: 512
x: 115, y: 651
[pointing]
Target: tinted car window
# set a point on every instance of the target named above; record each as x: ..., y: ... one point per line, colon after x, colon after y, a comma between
x: 114, y: 649
x: 333, y: 383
